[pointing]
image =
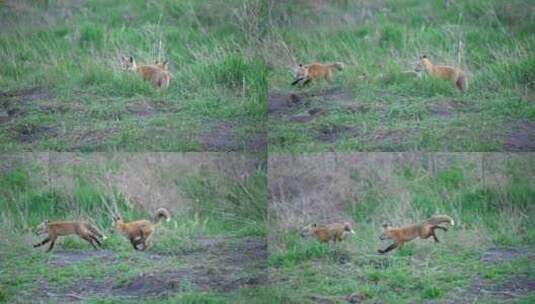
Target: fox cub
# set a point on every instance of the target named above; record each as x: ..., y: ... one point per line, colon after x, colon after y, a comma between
x: 455, y: 75
x: 158, y: 73
x: 424, y: 230
x: 139, y: 232
x: 84, y: 230
x: 315, y: 71
x: 330, y: 232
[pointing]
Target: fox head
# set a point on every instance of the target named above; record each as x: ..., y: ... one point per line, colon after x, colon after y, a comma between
x: 387, y: 233
x: 300, y: 71
x: 163, y: 214
x: 117, y: 221
x: 42, y: 228
x: 308, y: 230
x: 128, y: 63
x: 348, y: 228
x: 422, y: 63
x: 162, y: 65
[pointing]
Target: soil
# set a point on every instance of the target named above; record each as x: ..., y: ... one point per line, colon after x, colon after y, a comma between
x: 222, y: 137
x: 521, y: 137
x: 220, y: 264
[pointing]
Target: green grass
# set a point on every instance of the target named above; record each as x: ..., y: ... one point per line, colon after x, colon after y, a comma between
x: 222, y: 209
x: 486, y: 216
x: 392, y: 111
x: 69, y: 54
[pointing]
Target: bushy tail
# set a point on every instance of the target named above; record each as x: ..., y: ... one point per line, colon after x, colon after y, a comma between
x: 462, y: 83
x: 338, y: 65
x: 95, y: 231
x: 438, y: 219
x: 161, y: 215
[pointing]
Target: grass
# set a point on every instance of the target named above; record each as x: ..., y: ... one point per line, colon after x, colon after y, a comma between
x: 492, y: 217
x: 388, y: 110
x: 225, y: 212
x: 63, y: 88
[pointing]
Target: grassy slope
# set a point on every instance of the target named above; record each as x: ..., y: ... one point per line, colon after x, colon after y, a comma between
x: 223, y: 210
x: 422, y: 271
x: 388, y: 110
x: 60, y: 61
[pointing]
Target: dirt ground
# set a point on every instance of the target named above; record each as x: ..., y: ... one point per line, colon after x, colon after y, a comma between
x: 304, y: 108
x: 219, y: 264
x: 220, y: 136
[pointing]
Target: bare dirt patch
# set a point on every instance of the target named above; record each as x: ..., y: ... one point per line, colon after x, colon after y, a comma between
x: 30, y: 134
x: 511, y: 288
x: 521, y: 137
x: 19, y: 102
x: 279, y: 102
x: 91, y: 138
x: 30, y: 94
x: 283, y: 102
x: 62, y: 258
x: 223, y: 137
x: 446, y: 109
x: 144, y: 108
x: 332, y: 133
x: 220, y: 264
x: 496, y: 255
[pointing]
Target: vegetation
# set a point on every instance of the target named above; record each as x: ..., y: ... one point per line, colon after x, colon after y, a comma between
x: 376, y: 104
x: 188, y: 257
x: 63, y: 88
x: 485, y: 256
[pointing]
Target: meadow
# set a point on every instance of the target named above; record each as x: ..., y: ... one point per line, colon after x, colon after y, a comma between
x: 486, y: 257
x: 213, y: 250
x: 376, y: 103
x: 62, y: 87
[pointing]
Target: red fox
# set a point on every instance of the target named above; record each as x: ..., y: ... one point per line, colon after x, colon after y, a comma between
x: 157, y: 73
x: 84, y: 230
x: 315, y: 71
x: 140, y: 232
x: 423, y: 230
x: 330, y: 232
x: 453, y: 74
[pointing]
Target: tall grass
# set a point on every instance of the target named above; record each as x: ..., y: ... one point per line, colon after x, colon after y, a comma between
x: 218, y: 205
x: 380, y: 42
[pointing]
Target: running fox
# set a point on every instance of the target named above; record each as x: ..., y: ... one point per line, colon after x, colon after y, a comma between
x: 84, y: 230
x: 330, y: 232
x: 423, y: 230
x: 140, y: 232
x: 455, y: 75
x: 158, y: 73
x: 315, y: 71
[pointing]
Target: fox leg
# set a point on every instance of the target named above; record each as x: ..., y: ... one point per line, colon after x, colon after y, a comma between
x: 440, y: 227
x: 89, y: 240
x: 95, y: 239
x: 297, y: 81
x: 52, y: 242
x: 391, y: 247
x: 306, y: 82
x: 42, y: 243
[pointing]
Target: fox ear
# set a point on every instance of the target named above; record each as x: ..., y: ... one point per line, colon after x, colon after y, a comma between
x: 314, y: 225
x: 131, y: 59
x: 385, y: 225
x: 300, y: 65
x: 424, y: 56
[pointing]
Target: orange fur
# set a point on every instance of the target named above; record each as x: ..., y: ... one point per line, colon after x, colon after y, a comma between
x: 158, y: 73
x: 424, y: 230
x: 56, y: 229
x: 455, y: 75
x: 140, y: 231
x: 316, y: 71
x: 331, y: 232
